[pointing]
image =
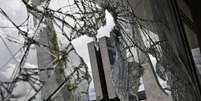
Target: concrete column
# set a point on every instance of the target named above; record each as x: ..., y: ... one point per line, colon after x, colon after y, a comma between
x: 98, y: 76
x: 107, y: 54
x: 153, y: 92
x: 101, y: 63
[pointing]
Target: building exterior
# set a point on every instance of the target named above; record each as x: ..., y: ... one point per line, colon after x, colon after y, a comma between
x: 102, y: 58
x: 152, y: 89
x: 182, y: 19
x: 102, y: 61
x: 172, y: 22
x: 101, y: 71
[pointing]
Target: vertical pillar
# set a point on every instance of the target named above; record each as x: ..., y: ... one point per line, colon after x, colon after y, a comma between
x: 97, y: 72
x: 107, y: 54
x: 101, y: 63
x: 153, y: 92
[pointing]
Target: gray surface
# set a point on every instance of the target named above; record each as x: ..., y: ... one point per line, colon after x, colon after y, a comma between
x: 95, y: 71
x: 44, y: 61
x: 153, y: 92
x: 105, y: 49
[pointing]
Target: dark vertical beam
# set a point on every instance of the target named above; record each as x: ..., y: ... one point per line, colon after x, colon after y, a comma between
x: 193, y: 70
x: 195, y: 9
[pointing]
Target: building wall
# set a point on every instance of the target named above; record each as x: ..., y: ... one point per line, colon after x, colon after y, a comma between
x: 153, y: 91
x: 143, y: 10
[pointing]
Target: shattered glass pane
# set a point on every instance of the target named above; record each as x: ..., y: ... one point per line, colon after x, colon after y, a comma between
x: 50, y: 29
